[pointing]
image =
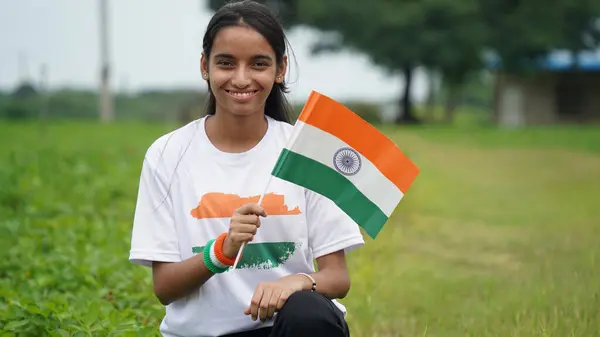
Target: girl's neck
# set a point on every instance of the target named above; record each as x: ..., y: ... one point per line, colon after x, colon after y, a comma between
x: 230, y: 133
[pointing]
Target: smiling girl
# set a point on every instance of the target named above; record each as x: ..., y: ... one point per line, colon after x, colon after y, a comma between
x: 197, y: 203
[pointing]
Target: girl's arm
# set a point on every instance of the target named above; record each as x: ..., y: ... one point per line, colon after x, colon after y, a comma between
x: 331, y: 280
x: 174, y: 280
x: 332, y: 277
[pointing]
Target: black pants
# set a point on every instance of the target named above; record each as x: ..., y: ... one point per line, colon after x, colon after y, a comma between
x: 305, y: 313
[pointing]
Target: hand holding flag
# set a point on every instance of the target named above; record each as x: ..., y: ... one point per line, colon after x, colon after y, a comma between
x: 335, y: 153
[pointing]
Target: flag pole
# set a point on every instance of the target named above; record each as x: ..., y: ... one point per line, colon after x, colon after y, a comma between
x: 239, y: 255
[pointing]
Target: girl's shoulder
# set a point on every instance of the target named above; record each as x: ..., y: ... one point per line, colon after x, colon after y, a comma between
x: 173, y: 144
x: 283, y: 130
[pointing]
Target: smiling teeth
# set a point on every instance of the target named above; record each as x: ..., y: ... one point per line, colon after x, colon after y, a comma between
x: 242, y: 94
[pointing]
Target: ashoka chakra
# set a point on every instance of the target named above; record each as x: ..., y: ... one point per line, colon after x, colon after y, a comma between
x: 347, y: 161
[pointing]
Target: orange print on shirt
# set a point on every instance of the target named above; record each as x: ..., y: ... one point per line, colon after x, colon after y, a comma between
x: 221, y: 205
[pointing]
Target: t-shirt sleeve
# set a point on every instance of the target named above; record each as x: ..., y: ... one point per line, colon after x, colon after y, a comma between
x: 154, y: 236
x: 329, y: 228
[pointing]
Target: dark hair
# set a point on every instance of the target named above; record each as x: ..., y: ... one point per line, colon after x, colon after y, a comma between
x: 263, y: 20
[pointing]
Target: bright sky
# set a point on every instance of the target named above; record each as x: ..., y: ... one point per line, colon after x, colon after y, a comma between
x: 157, y: 44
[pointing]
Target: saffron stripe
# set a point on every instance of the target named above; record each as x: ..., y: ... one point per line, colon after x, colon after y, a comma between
x: 334, y: 118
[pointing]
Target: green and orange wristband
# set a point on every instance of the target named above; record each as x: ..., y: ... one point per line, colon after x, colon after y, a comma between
x: 214, y: 258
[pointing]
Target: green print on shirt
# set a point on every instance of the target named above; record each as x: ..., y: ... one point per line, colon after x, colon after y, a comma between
x: 266, y: 255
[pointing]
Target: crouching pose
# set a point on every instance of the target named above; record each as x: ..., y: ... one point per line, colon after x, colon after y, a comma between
x: 198, y: 202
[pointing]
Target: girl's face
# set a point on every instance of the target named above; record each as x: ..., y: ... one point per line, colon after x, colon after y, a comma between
x: 242, y: 70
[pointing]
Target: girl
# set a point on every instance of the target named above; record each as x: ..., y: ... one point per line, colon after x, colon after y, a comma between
x: 198, y: 202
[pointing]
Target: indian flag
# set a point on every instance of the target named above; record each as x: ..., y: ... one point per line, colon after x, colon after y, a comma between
x: 334, y: 152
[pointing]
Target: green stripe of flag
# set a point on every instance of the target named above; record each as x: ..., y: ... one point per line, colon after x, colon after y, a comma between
x: 324, y: 180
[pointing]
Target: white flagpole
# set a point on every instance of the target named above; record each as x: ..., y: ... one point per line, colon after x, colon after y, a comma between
x: 237, y: 259
x: 289, y: 142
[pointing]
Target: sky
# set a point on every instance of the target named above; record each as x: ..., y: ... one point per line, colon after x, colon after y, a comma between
x: 157, y: 44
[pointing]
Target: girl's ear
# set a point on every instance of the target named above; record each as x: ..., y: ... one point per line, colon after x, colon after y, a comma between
x: 282, y: 70
x: 204, y: 66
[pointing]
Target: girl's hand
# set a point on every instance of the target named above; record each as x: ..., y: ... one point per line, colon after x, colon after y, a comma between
x: 269, y: 297
x: 242, y: 228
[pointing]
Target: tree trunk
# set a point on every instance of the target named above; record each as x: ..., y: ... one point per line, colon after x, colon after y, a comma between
x: 406, y: 112
x: 452, y: 101
x: 431, y: 96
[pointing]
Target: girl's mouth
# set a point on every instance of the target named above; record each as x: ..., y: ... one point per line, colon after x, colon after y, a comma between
x: 242, y: 95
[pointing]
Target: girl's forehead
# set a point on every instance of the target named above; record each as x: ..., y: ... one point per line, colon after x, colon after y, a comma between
x: 239, y: 41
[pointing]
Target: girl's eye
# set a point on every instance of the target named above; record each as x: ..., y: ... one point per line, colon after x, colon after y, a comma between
x: 224, y: 63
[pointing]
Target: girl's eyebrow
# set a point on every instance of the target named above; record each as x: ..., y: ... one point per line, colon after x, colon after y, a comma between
x: 263, y: 57
x: 256, y: 57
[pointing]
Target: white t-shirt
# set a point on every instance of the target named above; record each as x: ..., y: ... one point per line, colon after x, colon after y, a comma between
x: 188, y: 191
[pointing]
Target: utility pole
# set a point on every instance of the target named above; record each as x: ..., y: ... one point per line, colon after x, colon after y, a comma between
x: 106, y: 102
x: 44, y: 92
x: 23, y: 69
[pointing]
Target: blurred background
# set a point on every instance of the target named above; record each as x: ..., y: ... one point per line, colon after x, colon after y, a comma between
x: 510, y: 64
x: 497, y: 101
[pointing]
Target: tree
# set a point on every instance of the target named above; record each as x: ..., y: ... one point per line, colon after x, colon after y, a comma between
x: 398, y: 36
x: 447, y: 36
x: 526, y: 31
x: 452, y: 45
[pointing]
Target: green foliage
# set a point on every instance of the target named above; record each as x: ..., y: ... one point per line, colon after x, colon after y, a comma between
x: 156, y: 105
x: 21, y: 108
x: 23, y: 103
x: 573, y: 138
x: 65, y: 215
x: 399, y: 36
x: 73, y: 104
x: 449, y: 37
x: 523, y: 31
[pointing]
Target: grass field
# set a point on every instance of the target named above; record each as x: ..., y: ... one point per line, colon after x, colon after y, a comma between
x: 499, y: 236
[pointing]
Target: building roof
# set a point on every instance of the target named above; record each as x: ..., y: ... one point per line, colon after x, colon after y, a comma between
x: 556, y: 60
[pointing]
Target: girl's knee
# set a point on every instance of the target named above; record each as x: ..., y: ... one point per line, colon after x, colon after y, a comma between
x: 307, y: 312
